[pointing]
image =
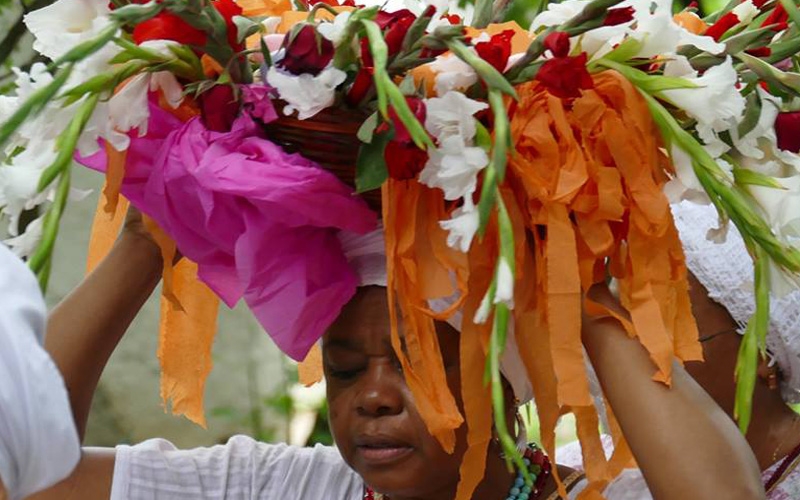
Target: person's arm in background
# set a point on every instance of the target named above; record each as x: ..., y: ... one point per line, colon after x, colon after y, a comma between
x: 685, y: 445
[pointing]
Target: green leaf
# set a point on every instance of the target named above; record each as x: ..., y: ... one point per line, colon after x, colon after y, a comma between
x: 133, y: 13
x: 746, y: 177
x: 371, y: 171
x: 367, y: 128
x: 245, y: 27
x: 748, y: 39
x: 752, y: 113
x: 624, y: 51
x: 648, y: 83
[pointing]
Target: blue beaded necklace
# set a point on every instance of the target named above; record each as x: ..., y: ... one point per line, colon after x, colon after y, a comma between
x: 539, y: 469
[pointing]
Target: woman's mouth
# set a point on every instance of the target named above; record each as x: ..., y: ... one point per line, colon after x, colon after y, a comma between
x: 381, y: 451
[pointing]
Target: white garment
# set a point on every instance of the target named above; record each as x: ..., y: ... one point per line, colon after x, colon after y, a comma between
x: 38, y: 442
x: 245, y: 469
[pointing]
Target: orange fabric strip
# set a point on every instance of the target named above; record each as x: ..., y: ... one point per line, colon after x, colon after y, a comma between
x: 115, y: 173
x: 309, y: 371
x: 105, y: 230
x: 187, y: 336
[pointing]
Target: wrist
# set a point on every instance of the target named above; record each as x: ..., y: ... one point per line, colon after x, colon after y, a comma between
x: 141, y: 251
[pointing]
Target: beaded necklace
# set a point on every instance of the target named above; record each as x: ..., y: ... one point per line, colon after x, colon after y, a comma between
x: 539, y: 469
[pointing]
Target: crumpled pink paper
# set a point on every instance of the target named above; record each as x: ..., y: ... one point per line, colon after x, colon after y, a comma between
x: 260, y: 223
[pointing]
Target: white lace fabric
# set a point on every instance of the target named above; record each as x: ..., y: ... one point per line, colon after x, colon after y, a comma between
x: 726, y: 270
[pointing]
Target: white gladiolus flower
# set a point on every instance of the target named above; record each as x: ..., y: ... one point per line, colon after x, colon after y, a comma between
x: 64, y: 24
x: 462, y: 226
x: 745, y: 11
x: 716, y: 104
x: 781, y: 206
x: 452, y: 114
x: 24, y: 244
x: 452, y: 74
x: 334, y: 31
x: 482, y: 313
x: 453, y: 167
x: 660, y: 34
x: 307, y: 94
x: 558, y: 14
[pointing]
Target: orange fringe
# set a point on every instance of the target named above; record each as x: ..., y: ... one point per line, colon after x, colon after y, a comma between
x: 584, y: 195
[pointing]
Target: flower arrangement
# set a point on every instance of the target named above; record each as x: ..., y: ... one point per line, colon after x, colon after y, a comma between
x: 520, y: 166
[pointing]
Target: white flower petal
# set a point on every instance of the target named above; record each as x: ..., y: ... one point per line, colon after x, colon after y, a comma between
x: 64, y: 24
x: 452, y: 74
x: 24, y: 244
x: 307, y: 94
x: 505, y: 284
x: 451, y: 115
x: 462, y: 226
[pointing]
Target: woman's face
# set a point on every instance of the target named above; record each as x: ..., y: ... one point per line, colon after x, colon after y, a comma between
x: 372, y: 414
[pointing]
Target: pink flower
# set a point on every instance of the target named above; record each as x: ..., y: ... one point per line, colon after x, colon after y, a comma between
x: 306, y: 52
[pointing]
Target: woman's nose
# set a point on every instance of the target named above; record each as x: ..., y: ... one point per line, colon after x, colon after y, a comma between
x: 381, y: 393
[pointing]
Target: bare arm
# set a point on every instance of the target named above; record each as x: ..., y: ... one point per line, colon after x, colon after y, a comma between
x: 85, y: 328
x: 686, y: 446
x: 83, y: 331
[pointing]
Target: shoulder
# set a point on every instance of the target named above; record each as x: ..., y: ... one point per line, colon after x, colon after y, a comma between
x: 241, y: 468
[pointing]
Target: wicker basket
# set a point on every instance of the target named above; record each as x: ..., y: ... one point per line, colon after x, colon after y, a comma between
x: 329, y: 139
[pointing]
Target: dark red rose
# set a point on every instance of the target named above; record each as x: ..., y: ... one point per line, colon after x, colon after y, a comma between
x: 306, y: 52
x: 722, y: 25
x: 219, y: 108
x: 620, y: 15
x: 787, y: 128
x: 361, y: 85
x: 565, y: 77
x: 404, y: 160
x: 557, y: 43
x: 395, y: 26
x: 228, y: 9
x: 168, y: 26
x: 497, y: 50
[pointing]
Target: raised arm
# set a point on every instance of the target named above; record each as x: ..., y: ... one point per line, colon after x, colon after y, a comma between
x: 83, y: 331
x: 685, y: 445
x: 85, y: 328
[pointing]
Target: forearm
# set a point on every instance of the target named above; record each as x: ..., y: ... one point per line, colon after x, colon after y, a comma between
x: 86, y: 326
x: 685, y: 445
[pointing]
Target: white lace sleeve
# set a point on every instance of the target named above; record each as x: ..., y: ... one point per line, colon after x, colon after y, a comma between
x: 241, y: 469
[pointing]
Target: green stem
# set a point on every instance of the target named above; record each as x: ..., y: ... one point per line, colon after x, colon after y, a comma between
x: 40, y: 258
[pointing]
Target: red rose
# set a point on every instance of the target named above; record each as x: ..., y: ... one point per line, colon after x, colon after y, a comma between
x: 228, y: 9
x: 306, y: 51
x: 395, y: 26
x: 565, y: 77
x: 361, y: 85
x: 404, y: 160
x: 557, y: 43
x: 497, y: 50
x: 787, y: 128
x: 219, y: 108
x: 168, y: 26
x: 620, y: 15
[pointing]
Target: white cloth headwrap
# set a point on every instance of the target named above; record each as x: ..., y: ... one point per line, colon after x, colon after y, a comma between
x: 38, y: 442
x: 367, y: 256
x: 726, y: 270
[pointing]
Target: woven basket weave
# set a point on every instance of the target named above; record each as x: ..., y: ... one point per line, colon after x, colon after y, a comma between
x: 329, y: 139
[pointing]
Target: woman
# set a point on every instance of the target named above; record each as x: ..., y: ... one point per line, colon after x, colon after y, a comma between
x: 721, y: 284
x: 685, y: 445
